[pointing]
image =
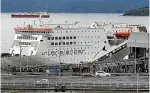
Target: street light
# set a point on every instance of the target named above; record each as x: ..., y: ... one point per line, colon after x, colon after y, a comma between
x: 135, y: 57
x: 137, y: 80
x: 20, y: 55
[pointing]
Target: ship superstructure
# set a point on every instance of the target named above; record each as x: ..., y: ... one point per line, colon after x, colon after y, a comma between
x: 66, y: 43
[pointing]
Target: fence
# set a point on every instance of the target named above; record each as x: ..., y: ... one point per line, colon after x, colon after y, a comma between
x: 48, y: 85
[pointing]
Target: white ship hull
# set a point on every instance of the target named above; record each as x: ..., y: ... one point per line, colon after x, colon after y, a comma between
x: 60, y: 45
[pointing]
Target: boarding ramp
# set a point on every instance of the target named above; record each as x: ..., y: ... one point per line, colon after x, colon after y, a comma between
x: 116, y: 53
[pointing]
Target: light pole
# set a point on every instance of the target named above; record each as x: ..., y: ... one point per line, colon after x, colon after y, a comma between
x: 149, y: 58
x: 137, y: 80
x: 135, y: 58
x: 20, y: 55
x: 27, y: 63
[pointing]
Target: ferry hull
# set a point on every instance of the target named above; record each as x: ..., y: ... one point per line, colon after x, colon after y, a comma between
x: 30, y: 61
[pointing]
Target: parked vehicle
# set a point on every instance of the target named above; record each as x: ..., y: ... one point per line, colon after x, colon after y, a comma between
x: 102, y: 73
x: 42, y: 81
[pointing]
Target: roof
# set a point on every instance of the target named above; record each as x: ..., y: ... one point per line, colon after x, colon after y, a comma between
x: 138, y: 39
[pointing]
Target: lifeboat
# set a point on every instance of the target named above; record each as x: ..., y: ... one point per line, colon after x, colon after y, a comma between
x: 122, y: 34
x: 32, y: 29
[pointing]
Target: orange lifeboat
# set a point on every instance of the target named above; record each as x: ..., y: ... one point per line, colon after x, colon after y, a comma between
x: 122, y: 34
x: 32, y: 29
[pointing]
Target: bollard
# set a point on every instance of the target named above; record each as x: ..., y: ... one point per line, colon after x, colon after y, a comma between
x: 63, y: 88
x: 117, y: 85
x: 34, y: 84
x: 71, y: 85
x: 27, y: 84
x: 131, y: 85
x: 110, y: 85
x: 146, y: 86
x: 14, y: 84
x: 48, y: 85
x: 124, y: 85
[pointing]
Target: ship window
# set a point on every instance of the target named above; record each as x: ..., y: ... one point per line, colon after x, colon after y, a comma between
x: 52, y: 43
x: 67, y: 37
x: 52, y: 38
x: 24, y: 43
x: 74, y: 37
x: 66, y: 31
x: 56, y: 43
x: 59, y: 38
x: 70, y: 37
x: 70, y: 43
x: 63, y: 37
x: 56, y: 38
x: 67, y: 43
x: 59, y: 43
x: 74, y: 42
x: 63, y: 43
x: 48, y: 38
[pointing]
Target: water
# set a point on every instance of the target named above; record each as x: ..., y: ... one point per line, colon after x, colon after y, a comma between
x: 85, y: 19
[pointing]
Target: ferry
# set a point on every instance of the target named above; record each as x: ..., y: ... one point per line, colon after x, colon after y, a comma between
x: 47, y: 44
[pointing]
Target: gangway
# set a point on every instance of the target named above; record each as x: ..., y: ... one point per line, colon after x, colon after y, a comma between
x: 122, y: 50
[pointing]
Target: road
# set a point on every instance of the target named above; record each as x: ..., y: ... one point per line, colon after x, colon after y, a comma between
x: 76, y: 79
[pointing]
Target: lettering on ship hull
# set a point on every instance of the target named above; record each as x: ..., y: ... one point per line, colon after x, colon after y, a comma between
x: 62, y: 52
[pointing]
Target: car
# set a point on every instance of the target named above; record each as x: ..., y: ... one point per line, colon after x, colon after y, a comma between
x: 42, y: 81
x: 102, y: 73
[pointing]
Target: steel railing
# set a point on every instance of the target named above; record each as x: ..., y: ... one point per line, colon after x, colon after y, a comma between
x: 48, y: 85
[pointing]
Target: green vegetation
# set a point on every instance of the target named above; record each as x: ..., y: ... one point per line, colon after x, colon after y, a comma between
x: 144, y: 11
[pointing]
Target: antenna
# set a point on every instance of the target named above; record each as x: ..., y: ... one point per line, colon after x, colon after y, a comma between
x: 34, y: 22
x: 109, y: 21
x: 104, y: 22
x: 66, y: 21
x: 24, y: 24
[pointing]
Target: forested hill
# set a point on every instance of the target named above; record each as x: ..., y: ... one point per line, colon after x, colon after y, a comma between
x: 144, y: 11
x: 72, y: 6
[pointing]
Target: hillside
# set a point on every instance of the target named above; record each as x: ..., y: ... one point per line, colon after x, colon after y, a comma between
x: 72, y: 6
x: 144, y: 11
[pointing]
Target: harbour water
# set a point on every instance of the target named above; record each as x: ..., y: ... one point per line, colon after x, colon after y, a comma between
x: 84, y: 19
